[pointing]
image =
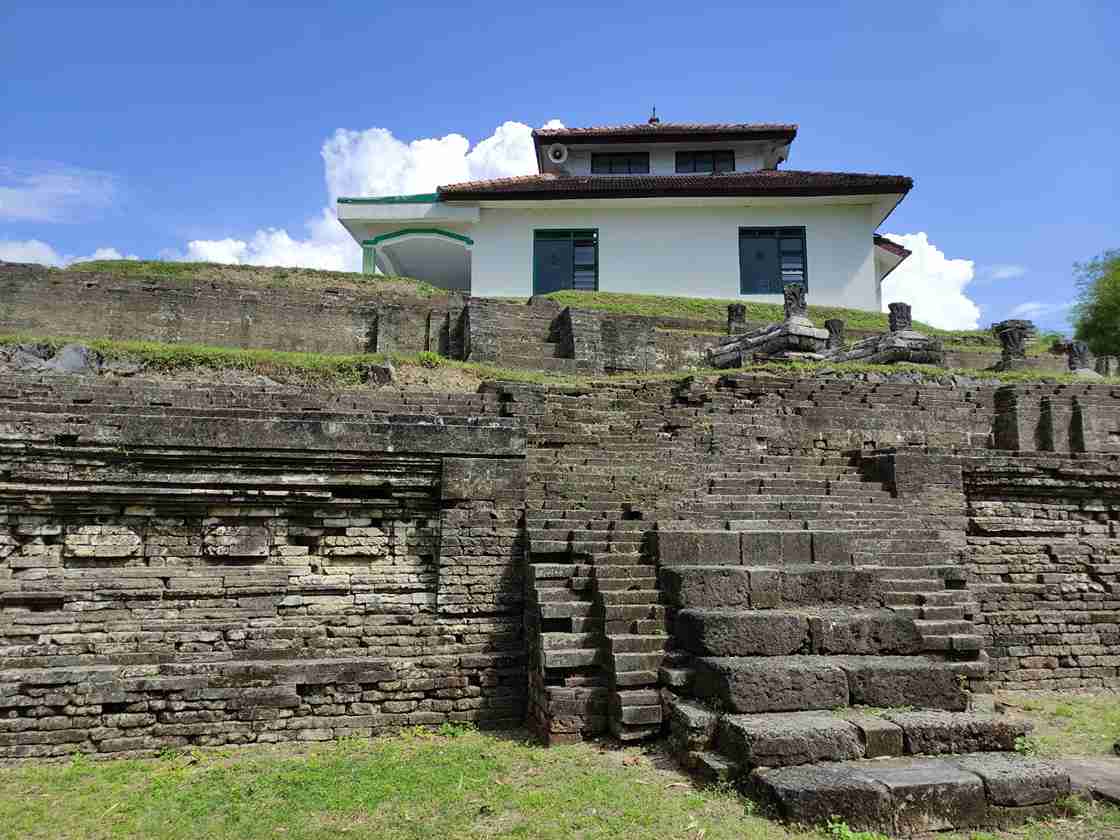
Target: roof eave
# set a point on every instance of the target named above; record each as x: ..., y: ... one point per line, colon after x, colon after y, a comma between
x: 556, y: 195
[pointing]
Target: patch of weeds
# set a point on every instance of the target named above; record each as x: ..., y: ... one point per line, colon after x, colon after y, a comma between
x: 455, y: 730
x: 428, y: 359
x: 1035, y: 746
x: 837, y: 829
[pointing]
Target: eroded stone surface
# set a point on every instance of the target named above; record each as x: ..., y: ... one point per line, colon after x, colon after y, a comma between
x: 780, y: 740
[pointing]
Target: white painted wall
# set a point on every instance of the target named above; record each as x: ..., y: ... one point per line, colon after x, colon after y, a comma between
x: 749, y: 157
x: 673, y: 250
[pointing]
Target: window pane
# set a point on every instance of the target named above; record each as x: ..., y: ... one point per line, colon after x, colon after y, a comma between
x: 639, y: 163
x: 599, y: 165
x: 584, y: 254
x: 725, y: 161
x: 685, y: 162
x: 792, y: 246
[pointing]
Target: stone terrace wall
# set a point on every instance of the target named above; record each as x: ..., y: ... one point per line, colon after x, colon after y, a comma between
x: 212, y: 566
x: 1044, y: 551
x: 96, y: 305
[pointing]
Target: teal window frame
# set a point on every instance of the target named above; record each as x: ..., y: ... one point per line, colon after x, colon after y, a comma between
x: 572, y: 234
x: 785, y: 237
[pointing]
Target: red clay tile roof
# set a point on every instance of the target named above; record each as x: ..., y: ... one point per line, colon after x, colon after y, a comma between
x: 667, y: 132
x: 764, y: 182
x: 893, y: 247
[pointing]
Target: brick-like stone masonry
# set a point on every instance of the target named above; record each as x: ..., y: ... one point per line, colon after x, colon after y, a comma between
x: 230, y: 565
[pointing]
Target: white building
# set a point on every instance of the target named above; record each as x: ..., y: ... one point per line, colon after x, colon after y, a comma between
x: 659, y: 208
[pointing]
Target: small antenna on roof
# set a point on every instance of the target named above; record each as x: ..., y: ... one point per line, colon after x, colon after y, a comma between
x: 653, y: 120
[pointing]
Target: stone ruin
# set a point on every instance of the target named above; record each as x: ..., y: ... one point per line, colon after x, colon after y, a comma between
x: 796, y: 339
x: 795, y: 336
x: 1014, y: 335
x: 739, y: 566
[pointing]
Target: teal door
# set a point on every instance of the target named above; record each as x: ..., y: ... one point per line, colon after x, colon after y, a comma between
x: 552, y: 263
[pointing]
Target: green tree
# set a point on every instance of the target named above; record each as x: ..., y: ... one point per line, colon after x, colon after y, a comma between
x: 1097, y: 313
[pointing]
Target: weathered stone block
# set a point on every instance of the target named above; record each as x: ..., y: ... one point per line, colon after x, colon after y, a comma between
x: 777, y: 684
x: 721, y: 632
x: 707, y: 586
x: 691, y: 548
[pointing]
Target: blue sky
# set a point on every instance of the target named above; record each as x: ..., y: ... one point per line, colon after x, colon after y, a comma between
x: 146, y: 127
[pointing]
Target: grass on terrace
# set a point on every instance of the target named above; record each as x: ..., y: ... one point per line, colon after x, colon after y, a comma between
x: 457, y: 783
x: 714, y: 309
x: 704, y: 309
x: 265, y: 277
x: 347, y: 371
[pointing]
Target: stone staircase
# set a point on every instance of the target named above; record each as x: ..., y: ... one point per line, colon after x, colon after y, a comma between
x: 515, y: 335
x: 823, y: 659
x: 599, y: 626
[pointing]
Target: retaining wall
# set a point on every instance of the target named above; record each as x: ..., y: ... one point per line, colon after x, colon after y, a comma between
x: 226, y: 565
x: 80, y: 304
x: 213, y: 566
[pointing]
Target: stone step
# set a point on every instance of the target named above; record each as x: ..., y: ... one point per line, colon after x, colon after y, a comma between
x: 941, y: 571
x: 623, y: 571
x: 569, y: 641
x: 905, y: 796
x: 807, y: 682
x: 628, y: 734
x: 616, y: 558
x: 636, y: 643
x: 614, y: 597
x: 779, y: 632
x: 945, y: 628
x: 631, y: 612
x: 894, y: 584
x: 574, y: 658
x: 642, y: 661
x: 943, y: 613
x: 551, y: 594
x: 791, y: 738
x: 567, y: 609
x: 766, y: 588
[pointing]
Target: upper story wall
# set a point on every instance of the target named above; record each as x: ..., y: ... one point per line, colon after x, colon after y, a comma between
x: 649, y: 246
x: 749, y: 156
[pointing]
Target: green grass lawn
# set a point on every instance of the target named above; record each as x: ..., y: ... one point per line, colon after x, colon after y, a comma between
x: 417, y: 785
x: 457, y: 783
x: 714, y: 309
x: 1068, y: 724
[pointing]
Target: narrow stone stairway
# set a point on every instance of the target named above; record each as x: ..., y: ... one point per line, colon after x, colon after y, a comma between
x: 516, y: 335
x: 822, y: 657
x: 598, y: 636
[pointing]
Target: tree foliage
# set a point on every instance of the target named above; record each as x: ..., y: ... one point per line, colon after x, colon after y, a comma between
x: 1097, y: 313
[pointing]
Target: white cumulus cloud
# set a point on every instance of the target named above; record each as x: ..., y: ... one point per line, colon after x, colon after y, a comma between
x: 934, y: 285
x: 52, y: 193
x: 35, y: 251
x: 371, y: 163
